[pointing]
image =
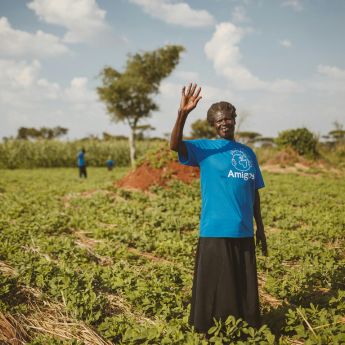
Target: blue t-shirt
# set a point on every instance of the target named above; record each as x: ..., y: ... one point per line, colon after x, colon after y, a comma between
x: 81, y: 159
x: 229, y: 176
x: 110, y: 163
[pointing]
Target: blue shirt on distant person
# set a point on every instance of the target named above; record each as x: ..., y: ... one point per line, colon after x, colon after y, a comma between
x: 229, y: 177
x: 81, y: 159
x: 110, y: 163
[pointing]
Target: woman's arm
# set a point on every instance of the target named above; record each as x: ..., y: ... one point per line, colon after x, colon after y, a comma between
x: 189, y: 101
x: 260, y: 232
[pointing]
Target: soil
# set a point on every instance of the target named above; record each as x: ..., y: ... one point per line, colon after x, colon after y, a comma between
x: 286, y: 161
x: 146, y: 176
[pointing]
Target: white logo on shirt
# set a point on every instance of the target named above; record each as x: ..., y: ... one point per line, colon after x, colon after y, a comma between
x: 244, y: 175
x: 242, y: 164
x: 240, y: 161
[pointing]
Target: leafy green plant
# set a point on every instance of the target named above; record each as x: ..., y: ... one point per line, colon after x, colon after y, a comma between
x: 122, y: 261
x: 301, y: 140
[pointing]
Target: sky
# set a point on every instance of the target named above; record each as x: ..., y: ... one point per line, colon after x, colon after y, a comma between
x: 280, y: 62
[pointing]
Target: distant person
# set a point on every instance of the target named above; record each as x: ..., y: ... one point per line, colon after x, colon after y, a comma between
x: 110, y: 164
x: 81, y: 163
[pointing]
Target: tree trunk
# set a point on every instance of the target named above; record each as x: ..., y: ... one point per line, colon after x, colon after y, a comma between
x: 132, y: 148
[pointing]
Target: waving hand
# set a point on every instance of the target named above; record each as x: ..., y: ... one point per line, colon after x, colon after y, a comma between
x: 190, y: 98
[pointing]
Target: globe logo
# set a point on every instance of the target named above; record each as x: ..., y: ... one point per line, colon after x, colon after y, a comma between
x: 240, y: 161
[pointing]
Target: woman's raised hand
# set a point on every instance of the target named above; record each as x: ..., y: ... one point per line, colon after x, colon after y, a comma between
x: 189, y: 99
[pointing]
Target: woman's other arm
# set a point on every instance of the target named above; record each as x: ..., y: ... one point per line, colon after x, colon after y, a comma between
x: 260, y: 232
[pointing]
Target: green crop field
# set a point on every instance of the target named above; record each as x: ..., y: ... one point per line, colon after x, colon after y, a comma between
x: 82, y: 261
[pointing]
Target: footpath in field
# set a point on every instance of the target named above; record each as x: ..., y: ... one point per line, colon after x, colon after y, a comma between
x: 112, y: 265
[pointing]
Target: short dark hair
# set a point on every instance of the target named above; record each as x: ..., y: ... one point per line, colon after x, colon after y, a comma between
x: 217, y: 107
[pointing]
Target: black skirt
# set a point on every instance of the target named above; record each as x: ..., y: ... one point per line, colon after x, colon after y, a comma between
x: 225, y: 282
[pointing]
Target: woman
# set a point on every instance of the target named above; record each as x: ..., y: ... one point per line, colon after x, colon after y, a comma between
x: 225, y: 278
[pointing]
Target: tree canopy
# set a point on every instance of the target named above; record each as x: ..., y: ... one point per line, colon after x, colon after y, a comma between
x: 128, y: 95
x: 337, y: 134
x: 26, y: 133
x: 202, y: 129
x: 301, y: 140
x: 247, y: 136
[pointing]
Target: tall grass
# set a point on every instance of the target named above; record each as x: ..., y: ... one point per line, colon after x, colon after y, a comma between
x: 53, y: 153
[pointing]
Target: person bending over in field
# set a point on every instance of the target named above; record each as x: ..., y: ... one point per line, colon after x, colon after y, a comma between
x: 225, y: 277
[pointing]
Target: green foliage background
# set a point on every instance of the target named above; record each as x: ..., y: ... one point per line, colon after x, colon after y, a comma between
x: 16, y: 154
x: 301, y: 140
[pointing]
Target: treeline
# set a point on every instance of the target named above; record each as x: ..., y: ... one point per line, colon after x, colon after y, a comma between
x: 54, y: 153
x: 50, y: 133
x: 26, y: 133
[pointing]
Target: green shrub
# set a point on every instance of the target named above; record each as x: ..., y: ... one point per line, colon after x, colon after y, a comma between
x: 301, y: 140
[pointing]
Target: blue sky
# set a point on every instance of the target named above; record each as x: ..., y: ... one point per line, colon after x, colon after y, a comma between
x: 280, y: 62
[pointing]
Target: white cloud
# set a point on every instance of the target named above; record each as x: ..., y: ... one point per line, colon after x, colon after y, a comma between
x: 172, y: 91
x: 14, y: 75
x: 225, y: 53
x: 294, y: 4
x: 187, y: 76
x: 23, y: 81
x: 83, y: 19
x: 17, y: 43
x: 79, y: 93
x: 28, y: 99
x: 284, y: 86
x: 239, y: 15
x: 331, y: 71
x: 51, y: 90
x: 285, y: 43
x: 223, y: 50
x: 328, y: 82
x: 175, y: 13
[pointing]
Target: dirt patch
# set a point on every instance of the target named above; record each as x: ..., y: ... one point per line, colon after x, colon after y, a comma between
x: 146, y: 176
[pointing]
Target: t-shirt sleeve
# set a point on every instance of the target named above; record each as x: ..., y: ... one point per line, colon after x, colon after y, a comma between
x: 259, y: 181
x: 192, y: 150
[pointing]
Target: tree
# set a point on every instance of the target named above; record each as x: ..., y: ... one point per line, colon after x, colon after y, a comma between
x: 26, y: 133
x: 23, y: 133
x: 59, y: 131
x: 246, y: 137
x: 142, y: 130
x: 337, y: 134
x: 109, y: 137
x: 128, y: 95
x: 202, y: 129
x: 301, y: 140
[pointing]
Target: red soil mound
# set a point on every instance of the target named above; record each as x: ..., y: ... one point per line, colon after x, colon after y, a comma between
x: 146, y: 176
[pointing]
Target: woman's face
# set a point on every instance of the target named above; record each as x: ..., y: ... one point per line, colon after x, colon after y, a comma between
x: 224, y: 123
